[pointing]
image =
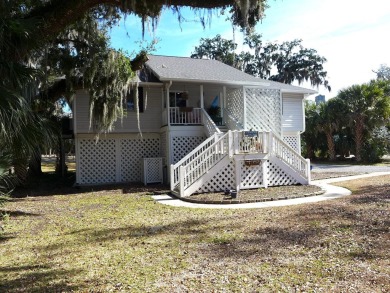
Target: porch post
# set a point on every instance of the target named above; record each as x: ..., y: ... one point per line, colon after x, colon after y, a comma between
x: 224, y: 101
x: 201, y: 96
x: 221, y: 105
x: 238, y: 174
x: 265, y: 166
x: 244, y: 101
x: 168, y: 85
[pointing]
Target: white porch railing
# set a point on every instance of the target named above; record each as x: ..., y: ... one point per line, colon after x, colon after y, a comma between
x: 185, y: 115
x: 287, y: 154
x: 209, y: 125
x: 231, y: 122
x: 250, y: 142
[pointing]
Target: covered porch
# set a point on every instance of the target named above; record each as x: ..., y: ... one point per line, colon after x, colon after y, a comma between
x: 189, y: 104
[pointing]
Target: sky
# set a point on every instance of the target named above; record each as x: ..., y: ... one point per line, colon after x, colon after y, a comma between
x: 353, y: 35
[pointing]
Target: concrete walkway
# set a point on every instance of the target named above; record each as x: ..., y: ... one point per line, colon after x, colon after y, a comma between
x: 331, y: 192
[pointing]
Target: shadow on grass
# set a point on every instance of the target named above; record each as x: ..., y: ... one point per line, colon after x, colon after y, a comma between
x: 87, y: 235
x: 334, y: 225
x: 372, y: 194
x: 49, y: 184
x: 17, y: 213
x: 38, y: 278
x: 5, y: 237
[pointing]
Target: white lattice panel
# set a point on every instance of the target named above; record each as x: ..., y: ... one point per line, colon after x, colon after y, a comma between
x: 292, y: 141
x: 151, y: 169
x: 263, y: 110
x: 132, y: 150
x: 223, y: 179
x: 235, y: 104
x: 251, y: 176
x: 97, y: 161
x: 182, y: 145
x: 277, y: 177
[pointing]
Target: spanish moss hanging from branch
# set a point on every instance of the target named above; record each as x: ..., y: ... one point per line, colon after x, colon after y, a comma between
x: 109, y: 79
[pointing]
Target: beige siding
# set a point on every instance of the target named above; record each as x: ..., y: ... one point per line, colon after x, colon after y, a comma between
x: 293, y: 115
x: 150, y: 119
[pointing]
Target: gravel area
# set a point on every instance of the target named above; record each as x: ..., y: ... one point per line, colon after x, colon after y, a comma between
x: 315, y: 175
x: 347, y: 168
x: 257, y: 195
x: 325, y: 171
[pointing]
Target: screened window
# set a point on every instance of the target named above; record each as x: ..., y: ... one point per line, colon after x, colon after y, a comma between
x: 130, y: 105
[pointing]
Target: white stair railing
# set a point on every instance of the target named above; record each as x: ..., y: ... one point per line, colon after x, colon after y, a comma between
x: 175, y: 178
x: 287, y: 154
x: 204, y: 161
x: 209, y: 124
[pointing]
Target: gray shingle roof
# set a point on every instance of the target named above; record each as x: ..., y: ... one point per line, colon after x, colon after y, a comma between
x: 167, y: 68
x: 188, y: 69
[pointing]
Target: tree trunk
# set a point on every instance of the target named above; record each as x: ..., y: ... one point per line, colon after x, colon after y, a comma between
x: 330, y: 143
x: 61, y: 167
x: 35, y: 164
x: 309, y: 151
x: 359, y: 128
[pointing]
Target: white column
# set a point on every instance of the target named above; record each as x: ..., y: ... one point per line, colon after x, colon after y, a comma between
x: 168, y: 85
x: 238, y: 174
x: 264, y: 167
x: 201, y: 96
x: 244, y: 101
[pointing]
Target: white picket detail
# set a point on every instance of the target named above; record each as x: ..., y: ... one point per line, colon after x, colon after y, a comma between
x: 255, y: 144
x: 175, y: 169
x: 209, y: 124
x: 201, y: 164
x: 288, y: 155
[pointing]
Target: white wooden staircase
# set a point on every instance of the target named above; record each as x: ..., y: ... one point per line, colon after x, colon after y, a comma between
x: 221, y: 148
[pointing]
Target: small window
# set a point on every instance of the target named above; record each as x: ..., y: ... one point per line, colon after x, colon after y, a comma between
x: 130, y: 106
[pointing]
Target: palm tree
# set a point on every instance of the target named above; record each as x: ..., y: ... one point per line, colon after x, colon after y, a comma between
x: 330, y: 120
x: 367, y: 106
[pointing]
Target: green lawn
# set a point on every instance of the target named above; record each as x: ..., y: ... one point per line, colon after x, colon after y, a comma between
x: 120, y: 241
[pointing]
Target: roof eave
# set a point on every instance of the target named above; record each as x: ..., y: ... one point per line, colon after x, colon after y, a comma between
x: 298, y: 91
x: 222, y: 82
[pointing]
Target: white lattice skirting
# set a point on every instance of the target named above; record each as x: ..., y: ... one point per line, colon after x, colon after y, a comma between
x: 182, y: 145
x: 251, y: 177
x: 113, y: 159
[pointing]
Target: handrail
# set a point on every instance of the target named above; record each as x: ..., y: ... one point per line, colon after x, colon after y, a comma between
x: 209, y: 124
x: 189, y: 157
x: 231, y: 122
x: 287, y: 154
x: 205, y: 160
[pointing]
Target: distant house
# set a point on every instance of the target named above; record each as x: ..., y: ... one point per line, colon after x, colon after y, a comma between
x: 320, y: 99
x: 205, y: 127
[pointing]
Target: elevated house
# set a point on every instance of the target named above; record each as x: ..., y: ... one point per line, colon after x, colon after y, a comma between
x: 205, y: 126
